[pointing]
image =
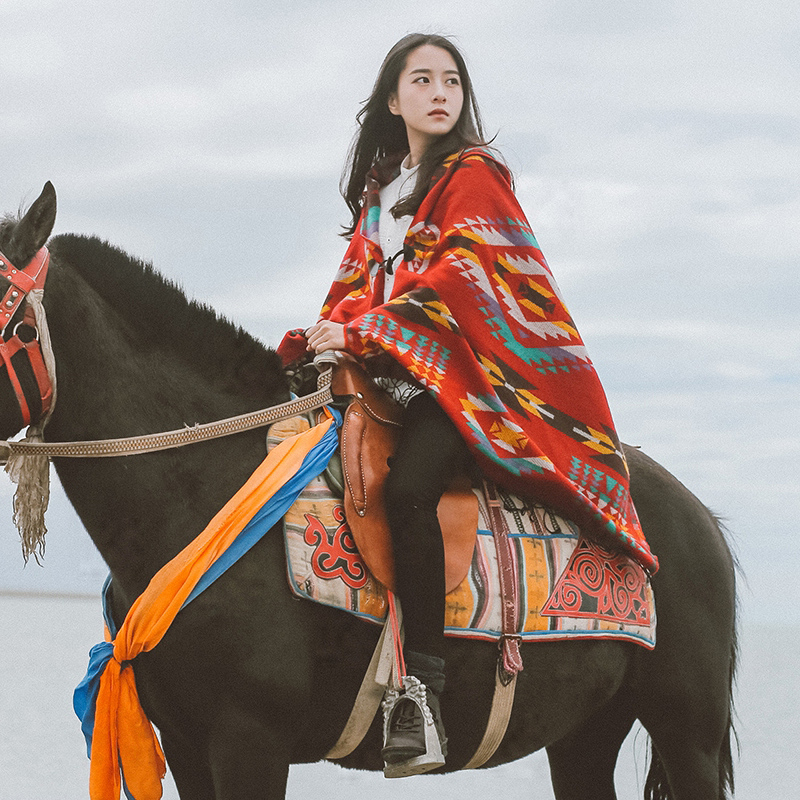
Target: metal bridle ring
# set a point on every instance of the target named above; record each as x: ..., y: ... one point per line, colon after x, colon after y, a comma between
x: 34, y: 329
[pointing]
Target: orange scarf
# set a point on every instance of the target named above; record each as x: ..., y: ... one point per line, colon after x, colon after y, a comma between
x: 123, y: 737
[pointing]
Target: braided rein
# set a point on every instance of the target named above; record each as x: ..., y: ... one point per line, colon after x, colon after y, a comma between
x: 150, y: 443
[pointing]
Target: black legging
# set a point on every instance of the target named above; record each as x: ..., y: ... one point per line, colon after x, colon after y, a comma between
x: 429, y: 455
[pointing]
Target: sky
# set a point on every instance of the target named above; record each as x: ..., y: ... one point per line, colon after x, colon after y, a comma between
x: 656, y: 149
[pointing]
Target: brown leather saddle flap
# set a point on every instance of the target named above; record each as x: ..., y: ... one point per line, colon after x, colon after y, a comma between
x: 369, y: 435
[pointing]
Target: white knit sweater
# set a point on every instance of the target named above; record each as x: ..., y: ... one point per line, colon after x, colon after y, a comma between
x: 391, y: 231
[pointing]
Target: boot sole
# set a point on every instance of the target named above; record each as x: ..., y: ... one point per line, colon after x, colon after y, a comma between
x: 413, y: 766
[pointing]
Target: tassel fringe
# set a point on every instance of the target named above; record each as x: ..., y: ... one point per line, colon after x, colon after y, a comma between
x: 31, y: 474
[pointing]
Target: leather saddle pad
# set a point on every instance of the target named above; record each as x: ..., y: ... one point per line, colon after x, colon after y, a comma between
x: 369, y: 435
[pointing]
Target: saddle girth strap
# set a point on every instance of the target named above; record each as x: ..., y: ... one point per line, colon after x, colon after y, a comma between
x: 509, y: 664
x: 511, y: 660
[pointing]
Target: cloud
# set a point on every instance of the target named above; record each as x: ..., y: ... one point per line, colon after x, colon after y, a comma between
x: 654, y: 143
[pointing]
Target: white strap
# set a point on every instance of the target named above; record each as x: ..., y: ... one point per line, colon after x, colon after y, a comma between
x: 369, y: 696
x: 496, y: 727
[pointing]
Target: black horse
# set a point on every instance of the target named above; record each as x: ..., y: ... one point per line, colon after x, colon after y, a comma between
x: 250, y: 679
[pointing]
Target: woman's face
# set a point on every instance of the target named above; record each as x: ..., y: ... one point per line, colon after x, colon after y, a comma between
x: 429, y: 97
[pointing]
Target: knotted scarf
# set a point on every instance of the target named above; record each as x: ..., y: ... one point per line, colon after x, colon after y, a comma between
x: 121, y: 740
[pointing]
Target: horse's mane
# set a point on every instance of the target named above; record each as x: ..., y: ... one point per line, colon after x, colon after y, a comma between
x: 8, y: 221
x: 149, y: 301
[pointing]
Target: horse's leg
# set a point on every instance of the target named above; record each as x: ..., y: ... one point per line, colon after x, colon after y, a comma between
x: 684, y: 701
x: 582, y: 763
x: 249, y: 757
x: 190, y: 773
x: 690, y: 731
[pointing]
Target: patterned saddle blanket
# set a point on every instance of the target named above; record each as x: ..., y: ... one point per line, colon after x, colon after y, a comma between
x: 570, y: 587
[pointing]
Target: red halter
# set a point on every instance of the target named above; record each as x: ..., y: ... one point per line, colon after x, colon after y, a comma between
x: 22, y: 282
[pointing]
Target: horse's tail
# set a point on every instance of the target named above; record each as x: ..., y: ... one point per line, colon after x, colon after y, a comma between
x: 656, y: 786
x: 726, y: 785
x: 726, y: 752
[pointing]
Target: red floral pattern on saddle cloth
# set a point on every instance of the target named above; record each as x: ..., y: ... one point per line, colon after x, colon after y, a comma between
x: 599, y: 584
x: 570, y: 587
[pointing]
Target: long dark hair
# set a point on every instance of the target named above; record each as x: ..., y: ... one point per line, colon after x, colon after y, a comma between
x: 382, y: 134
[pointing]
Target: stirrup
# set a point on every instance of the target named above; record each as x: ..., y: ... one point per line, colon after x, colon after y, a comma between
x: 413, y: 689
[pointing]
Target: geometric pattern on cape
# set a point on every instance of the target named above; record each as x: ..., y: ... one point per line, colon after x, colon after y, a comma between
x: 599, y: 583
x: 324, y: 566
x: 518, y: 394
x: 477, y: 318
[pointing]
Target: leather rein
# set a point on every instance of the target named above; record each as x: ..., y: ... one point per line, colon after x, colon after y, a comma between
x: 32, y: 277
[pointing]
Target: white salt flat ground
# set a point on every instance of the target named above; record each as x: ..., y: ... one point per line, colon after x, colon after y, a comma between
x: 45, y: 640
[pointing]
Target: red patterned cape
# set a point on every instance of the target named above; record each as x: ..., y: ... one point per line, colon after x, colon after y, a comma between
x: 476, y: 317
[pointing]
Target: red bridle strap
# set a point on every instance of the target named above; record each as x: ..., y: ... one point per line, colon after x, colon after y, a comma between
x: 37, y: 363
x: 7, y: 351
x: 22, y: 282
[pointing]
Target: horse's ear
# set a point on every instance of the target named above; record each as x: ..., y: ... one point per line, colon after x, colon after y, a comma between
x: 33, y: 230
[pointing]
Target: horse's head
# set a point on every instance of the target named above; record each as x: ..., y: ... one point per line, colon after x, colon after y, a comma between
x: 21, y: 255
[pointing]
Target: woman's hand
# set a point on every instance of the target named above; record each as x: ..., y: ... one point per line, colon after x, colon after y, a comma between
x: 325, y: 335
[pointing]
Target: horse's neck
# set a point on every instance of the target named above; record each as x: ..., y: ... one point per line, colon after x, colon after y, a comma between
x: 139, y: 510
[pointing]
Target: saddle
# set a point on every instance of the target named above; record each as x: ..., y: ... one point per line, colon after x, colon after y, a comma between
x: 370, y: 431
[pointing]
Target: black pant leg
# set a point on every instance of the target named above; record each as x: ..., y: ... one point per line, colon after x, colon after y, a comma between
x: 430, y: 454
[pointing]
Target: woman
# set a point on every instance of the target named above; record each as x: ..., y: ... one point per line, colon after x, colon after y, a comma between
x: 446, y: 296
